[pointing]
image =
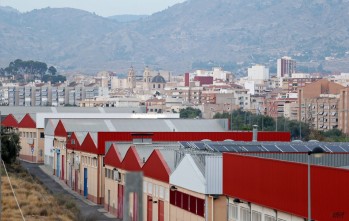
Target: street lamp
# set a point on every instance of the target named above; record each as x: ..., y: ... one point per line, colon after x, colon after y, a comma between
x: 317, y: 152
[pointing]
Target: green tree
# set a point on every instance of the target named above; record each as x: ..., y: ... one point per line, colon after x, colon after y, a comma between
x: 189, y: 112
x: 52, y: 70
x: 10, y: 147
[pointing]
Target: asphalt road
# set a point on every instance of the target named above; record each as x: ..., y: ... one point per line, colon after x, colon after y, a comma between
x: 88, y: 212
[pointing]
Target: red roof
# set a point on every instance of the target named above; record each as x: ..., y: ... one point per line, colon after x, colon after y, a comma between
x: 113, y: 158
x: 162, y: 171
x: 9, y: 121
x: 131, y: 161
x: 27, y: 122
x: 60, y: 130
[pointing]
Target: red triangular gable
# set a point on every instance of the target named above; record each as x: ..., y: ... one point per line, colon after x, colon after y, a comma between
x: 162, y: 171
x: 73, y: 142
x: 131, y: 161
x: 113, y: 158
x: 27, y: 122
x: 60, y: 130
x: 9, y: 121
x: 88, y: 145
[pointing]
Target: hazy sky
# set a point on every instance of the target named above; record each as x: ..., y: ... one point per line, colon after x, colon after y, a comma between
x: 100, y: 7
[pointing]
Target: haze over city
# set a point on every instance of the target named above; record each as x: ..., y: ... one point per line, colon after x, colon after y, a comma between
x: 103, y: 8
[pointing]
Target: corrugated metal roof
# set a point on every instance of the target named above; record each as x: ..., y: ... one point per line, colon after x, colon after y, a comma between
x: 50, y: 127
x: 94, y: 137
x: 80, y: 136
x: 167, y: 125
x: 88, y: 125
x: 169, y: 157
x: 18, y: 110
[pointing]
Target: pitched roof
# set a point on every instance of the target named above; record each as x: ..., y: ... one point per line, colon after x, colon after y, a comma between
x: 9, y: 121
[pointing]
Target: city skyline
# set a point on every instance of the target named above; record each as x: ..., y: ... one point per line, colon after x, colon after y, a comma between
x: 105, y: 9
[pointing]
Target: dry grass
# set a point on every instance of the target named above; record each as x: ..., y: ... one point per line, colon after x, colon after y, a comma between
x: 35, y: 201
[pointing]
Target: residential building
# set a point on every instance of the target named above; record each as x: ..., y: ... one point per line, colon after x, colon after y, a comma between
x: 286, y: 66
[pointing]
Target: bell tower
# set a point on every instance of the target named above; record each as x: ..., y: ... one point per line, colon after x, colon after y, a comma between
x: 131, y: 78
x: 146, y: 78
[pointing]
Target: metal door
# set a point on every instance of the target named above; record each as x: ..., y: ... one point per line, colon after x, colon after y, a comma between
x: 62, y: 177
x: 58, y: 166
x: 108, y: 200
x: 161, y: 215
x: 120, y: 201
x: 76, y: 181
x: 149, y: 208
x: 85, y: 183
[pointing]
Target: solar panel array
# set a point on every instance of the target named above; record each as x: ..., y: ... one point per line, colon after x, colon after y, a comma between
x: 281, y: 147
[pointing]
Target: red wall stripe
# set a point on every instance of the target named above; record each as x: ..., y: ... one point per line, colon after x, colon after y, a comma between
x: 282, y: 185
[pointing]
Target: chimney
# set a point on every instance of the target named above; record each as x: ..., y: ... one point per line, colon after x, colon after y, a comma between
x: 254, y: 133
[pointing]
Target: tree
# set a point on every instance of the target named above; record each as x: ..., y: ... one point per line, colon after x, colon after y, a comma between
x: 52, y: 70
x: 10, y: 147
x: 189, y: 112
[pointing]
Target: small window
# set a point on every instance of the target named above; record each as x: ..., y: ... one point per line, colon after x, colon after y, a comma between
x: 233, y: 211
x: 245, y: 214
x: 72, y: 141
x: 269, y: 218
x: 256, y: 216
x: 42, y: 135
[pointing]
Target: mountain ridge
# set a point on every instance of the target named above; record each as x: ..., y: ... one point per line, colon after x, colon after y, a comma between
x: 230, y: 32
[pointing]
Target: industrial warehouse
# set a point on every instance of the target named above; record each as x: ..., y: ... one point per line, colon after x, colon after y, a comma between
x: 234, y: 175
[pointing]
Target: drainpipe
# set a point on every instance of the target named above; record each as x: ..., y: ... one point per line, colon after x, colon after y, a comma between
x: 98, y: 180
x: 276, y: 214
x: 227, y: 207
x: 206, y: 207
x: 212, y: 212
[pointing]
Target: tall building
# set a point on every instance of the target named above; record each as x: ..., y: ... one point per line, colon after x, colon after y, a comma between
x: 146, y: 79
x: 131, y: 79
x: 286, y: 66
x: 258, y: 73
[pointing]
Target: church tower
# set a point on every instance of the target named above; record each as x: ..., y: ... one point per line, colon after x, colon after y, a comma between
x: 146, y: 79
x: 131, y: 78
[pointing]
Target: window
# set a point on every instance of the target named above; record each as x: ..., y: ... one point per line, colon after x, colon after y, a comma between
x: 161, y: 192
x: 269, y: 218
x: 256, y: 216
x: 233, y: 211
x: 245, y: 214
x: 42, y: 135
x: 150, y: 188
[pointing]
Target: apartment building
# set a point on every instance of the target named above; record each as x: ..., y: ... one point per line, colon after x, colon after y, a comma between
x: 318, y: 104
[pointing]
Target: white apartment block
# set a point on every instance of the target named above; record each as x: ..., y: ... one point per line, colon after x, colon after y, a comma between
x: 258, y: 73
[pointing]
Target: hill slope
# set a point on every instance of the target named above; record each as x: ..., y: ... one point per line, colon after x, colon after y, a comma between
x: 225, y: 31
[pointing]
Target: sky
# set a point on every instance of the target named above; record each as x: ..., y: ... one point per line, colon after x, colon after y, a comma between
x: 100, y: 7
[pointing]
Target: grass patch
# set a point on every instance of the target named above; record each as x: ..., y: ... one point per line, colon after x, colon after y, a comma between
x: 36, y: 202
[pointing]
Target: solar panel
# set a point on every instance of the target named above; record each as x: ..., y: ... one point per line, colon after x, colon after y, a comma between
x: 200, y: 145
x: 300, y: 148
x: 253, y: 148
x: 335, y: 148
x: 184, y: 144
x: 344, y: 146
x: 271, y: 148
x: 286, y: 148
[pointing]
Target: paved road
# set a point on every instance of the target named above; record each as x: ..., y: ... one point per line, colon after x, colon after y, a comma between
x: 89, y: 212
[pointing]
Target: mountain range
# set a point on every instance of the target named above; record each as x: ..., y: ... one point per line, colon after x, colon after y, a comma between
x: 193, y: 34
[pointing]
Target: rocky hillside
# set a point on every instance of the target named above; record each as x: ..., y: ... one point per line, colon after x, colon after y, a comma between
x: 234, y: 33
